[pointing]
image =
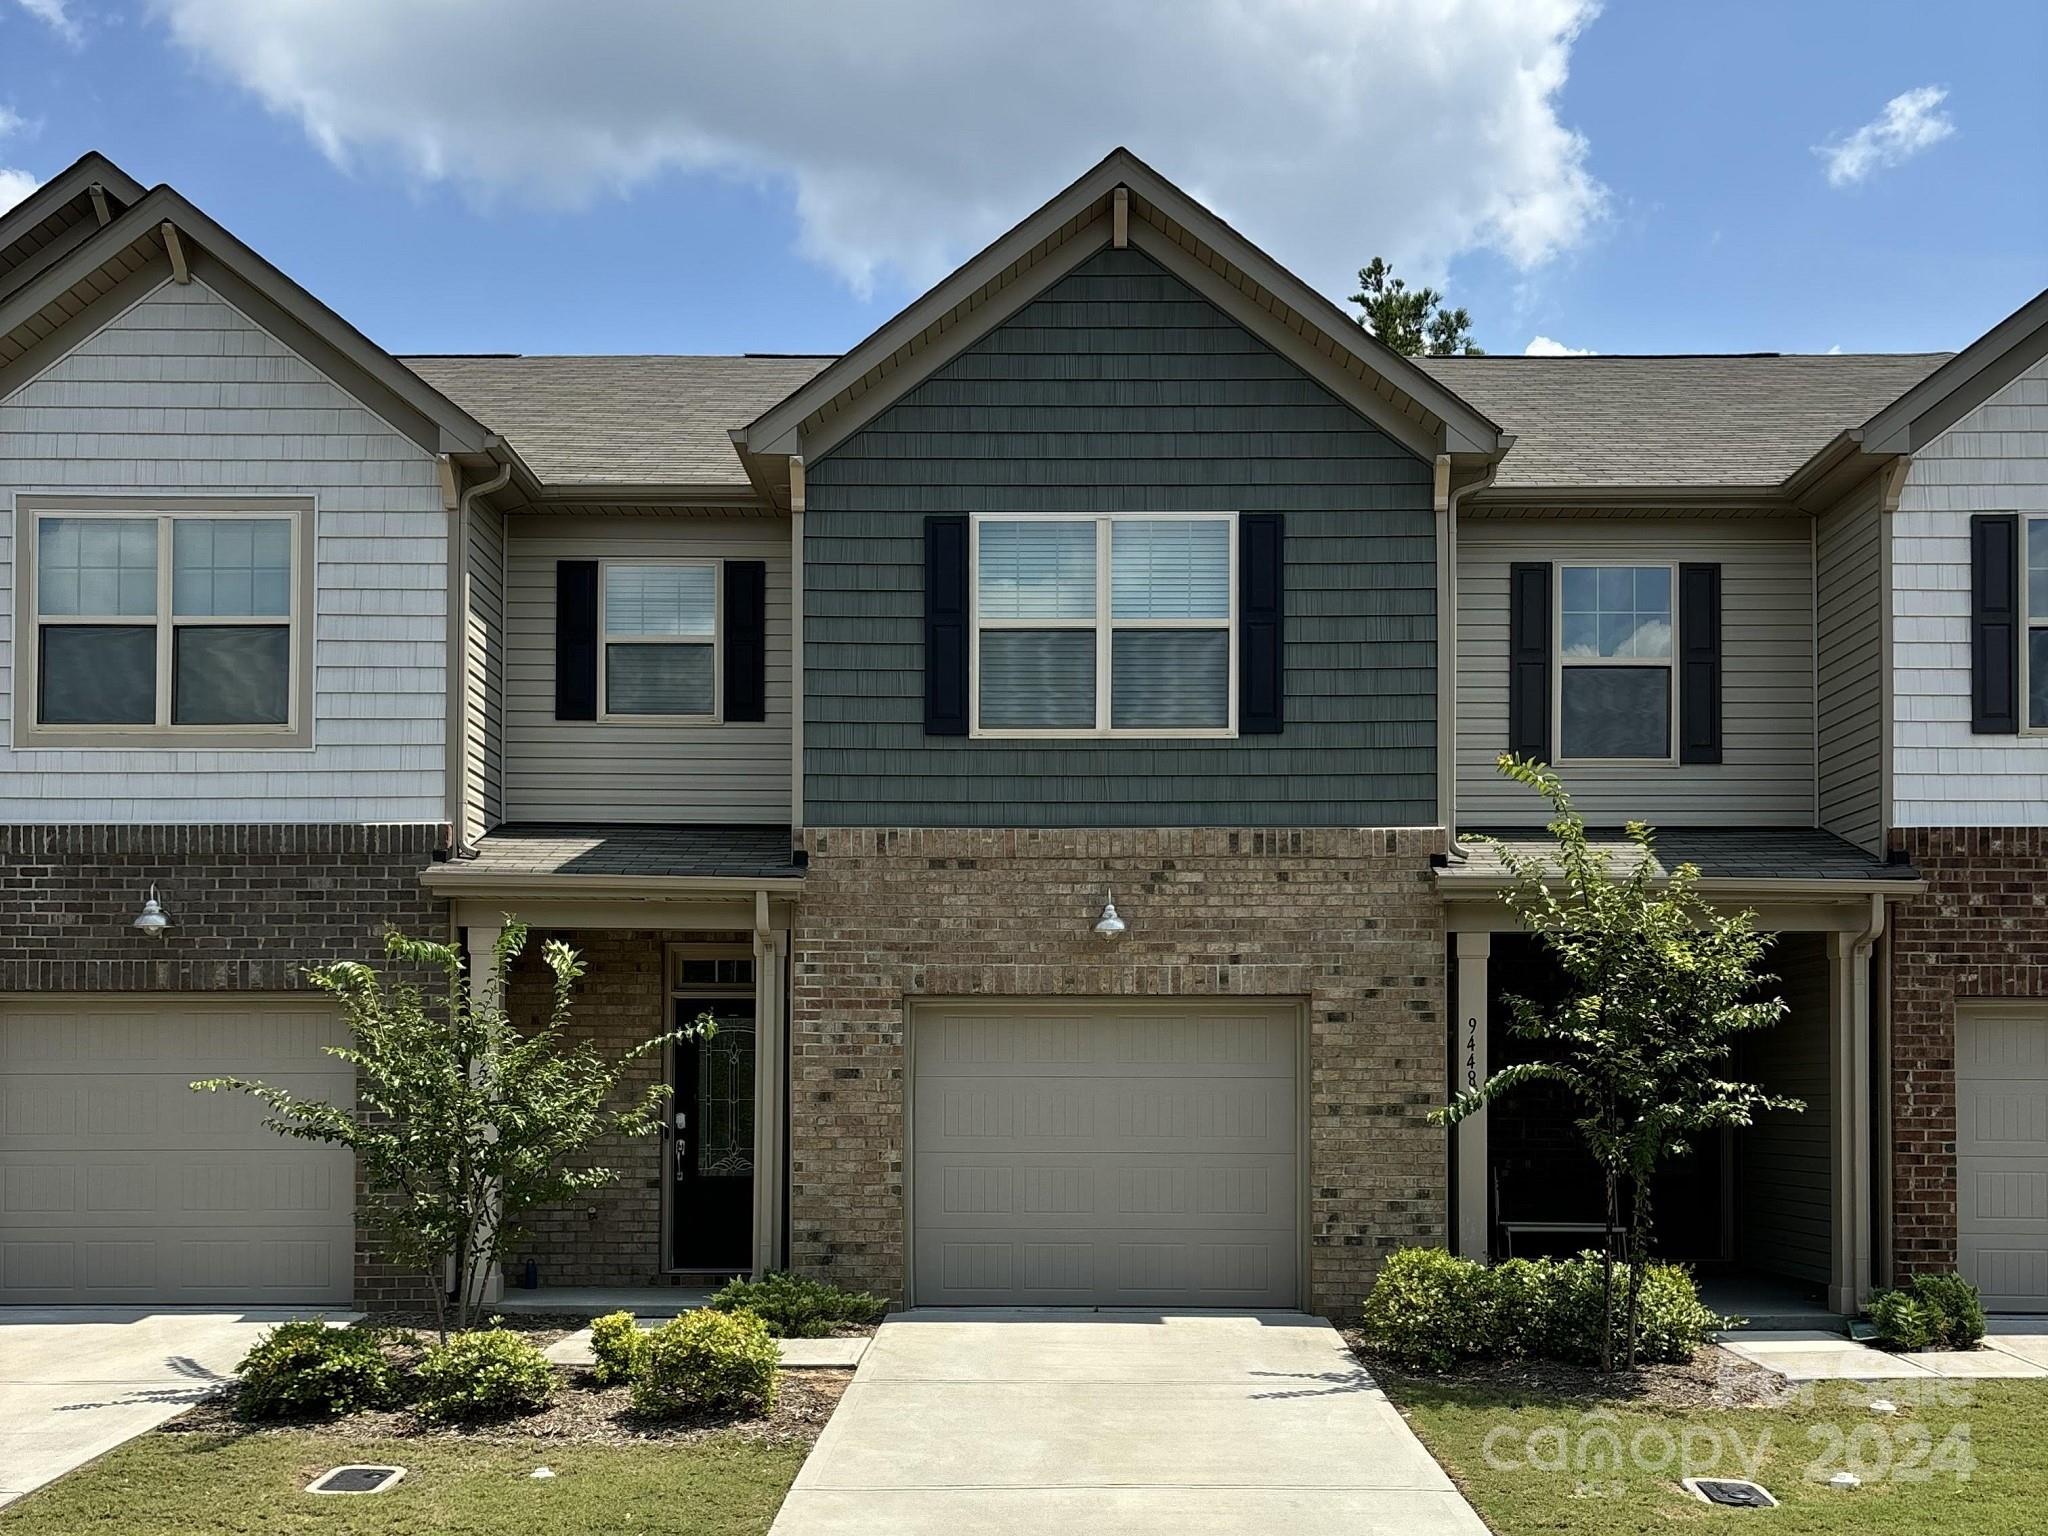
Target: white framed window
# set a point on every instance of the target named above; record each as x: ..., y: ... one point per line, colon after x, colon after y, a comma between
x: 156, y: 626
x: 1115, y: 625
x: 658, y: 625
x: 1617, y: 689
x: 2034, y: 647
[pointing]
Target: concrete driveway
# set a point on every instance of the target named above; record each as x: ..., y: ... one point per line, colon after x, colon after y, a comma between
x: 77, y: 1381
x: 972, y: 1423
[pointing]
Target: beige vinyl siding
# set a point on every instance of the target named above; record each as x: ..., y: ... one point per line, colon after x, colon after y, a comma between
x: 1782, y: 1217
x: 618, y: 770
x: 1995, y: 459
x: 484, y: 682
x: 1849, y: 634
x: 1766, y: 776
x: 179, y: 395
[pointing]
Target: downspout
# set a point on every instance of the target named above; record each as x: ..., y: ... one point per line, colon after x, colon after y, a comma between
x: 1860, y: 949
x: 1447, y: 501
x: 458, y: 688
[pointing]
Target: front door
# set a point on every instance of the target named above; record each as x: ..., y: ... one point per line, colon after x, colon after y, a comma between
x: 711, y: 1141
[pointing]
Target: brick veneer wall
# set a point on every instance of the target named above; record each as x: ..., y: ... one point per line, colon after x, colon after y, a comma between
x: 1348, y: 919
x: 251, y: 909
x: 1980, y: 931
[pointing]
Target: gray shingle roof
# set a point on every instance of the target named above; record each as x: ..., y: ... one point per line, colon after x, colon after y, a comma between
x: 554, y: 848
x: 1721, y: 853
x: 1591, y: 422
x: 619, y: 420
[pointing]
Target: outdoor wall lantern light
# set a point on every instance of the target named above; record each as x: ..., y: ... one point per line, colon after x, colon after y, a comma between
x: 152, y: 922
x: 1109, y: 925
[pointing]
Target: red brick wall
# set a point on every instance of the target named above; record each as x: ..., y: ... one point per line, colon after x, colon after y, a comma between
x: 1980, y: 931
x: 1348, y: 919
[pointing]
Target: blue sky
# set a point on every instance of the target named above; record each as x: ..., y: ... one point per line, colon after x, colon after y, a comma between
x: 618, y: 188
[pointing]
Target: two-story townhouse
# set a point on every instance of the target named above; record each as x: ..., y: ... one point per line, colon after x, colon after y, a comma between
x: 224, y: 546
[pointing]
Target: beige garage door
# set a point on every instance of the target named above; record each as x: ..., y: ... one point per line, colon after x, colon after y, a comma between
x: 2002, y: 1155
x: 118, y: 1184
x: 1105, y: 1155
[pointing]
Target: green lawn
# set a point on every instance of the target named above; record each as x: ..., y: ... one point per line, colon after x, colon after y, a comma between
x: 224, y: 1485
x: 1832, y: 1429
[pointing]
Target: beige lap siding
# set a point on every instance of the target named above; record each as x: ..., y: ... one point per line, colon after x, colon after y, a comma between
x: 1347, y: 919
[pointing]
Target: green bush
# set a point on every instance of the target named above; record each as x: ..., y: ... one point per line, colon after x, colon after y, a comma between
x: 796, y: 1308
x: 617, y: 1345
x: 483, y: 1374
x: 1428, y: 1309
x: 1929, y: 1312
x: 311, y: 1371
x: 725, y: 1360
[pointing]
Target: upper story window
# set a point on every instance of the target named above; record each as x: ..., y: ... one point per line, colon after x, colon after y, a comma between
x: 2034, y: 597
x: 658, y: 622
x: 165, y: 627
x: 1105, y: 626
x: 1615, y: 680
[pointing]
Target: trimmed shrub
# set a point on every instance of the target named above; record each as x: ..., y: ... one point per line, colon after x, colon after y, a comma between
x: 1428, y: 1309
x: 617, y: 1346
x: 722, y: 1360
x: 486, y: 1373
x: 1671, y: 1321
x: 311, y: 1371
x: 1522, y: 1315
x: 796, y: 1308
x: 1929, y: 1312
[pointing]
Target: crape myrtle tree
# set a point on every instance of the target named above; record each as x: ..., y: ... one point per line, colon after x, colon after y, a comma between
x: 462, y: 1123
x: 1659, y: 987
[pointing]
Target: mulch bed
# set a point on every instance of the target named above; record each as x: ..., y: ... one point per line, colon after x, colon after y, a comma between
x: 1713, y: 1378
x: 579, y: 1414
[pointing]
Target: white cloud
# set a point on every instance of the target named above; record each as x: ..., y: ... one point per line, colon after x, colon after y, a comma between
x: 907, y: 133
x: 55, y: 15
x: 14, y: 186
x: 1543, y: 346
x: 1835, y: 350
x: 1910, y: 122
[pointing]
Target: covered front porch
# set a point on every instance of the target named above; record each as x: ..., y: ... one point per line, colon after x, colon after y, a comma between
x: 674, y: 924
x: 1780, y: 1218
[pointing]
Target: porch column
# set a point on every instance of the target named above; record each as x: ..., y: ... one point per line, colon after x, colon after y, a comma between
x: 1849, y: 1078
x: 770, y: 1093
x: 486, y: 990
x: 1468, y: 1070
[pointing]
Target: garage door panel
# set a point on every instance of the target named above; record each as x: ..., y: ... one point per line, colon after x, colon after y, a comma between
x: 2002, y: 1156
x: 1106, y: 1154
x: 118, y: 1183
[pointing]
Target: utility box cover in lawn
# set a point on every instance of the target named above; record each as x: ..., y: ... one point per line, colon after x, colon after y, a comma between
x: 356, y: 1479
x: 1729, y: 1490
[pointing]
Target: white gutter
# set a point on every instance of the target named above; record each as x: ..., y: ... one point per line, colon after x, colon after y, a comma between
x: 1447, y: 501
x: 458, y: 652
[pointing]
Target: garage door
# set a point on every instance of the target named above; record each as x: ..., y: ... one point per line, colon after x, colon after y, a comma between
x: 2002, y: 1156
x: 1105, y: 1155
x: 118, y: 1184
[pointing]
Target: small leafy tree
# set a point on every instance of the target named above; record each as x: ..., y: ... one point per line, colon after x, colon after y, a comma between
x: 1413, y: 321
x: 461, y: 1123
x: 1659, y: 987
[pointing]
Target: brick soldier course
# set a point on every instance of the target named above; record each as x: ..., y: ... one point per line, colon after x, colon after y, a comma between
x: 1347, y: 919
x: 1981, y: 931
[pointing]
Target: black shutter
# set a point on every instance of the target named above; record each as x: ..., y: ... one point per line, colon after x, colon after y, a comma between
x: 1261, y: 624
x: 945, y: 626
x: 1528, y: 661
x: 746, y: 640
x: 575, y: 639
x: 1995, y: 624
x: 1699, y: 663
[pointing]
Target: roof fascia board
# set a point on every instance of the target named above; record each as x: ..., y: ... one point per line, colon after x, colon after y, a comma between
x: 74, y: 333
x: 1648, y: 497
x: 1285, y: 340
x: 737, y: 493
x: 457, y: 880
x: 61, y: 188
x: 1962, y: 383
x: 775, y: 430
x: 1458, y: 885
x: 1467, y: 430
x: 1004, y: 304
x: 48, y: 256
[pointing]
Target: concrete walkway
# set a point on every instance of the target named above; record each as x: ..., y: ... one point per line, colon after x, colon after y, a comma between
x: 2013, y: 1348
x: 973, y: 1423
x: 797, y: 1354
x: 77, y: 1381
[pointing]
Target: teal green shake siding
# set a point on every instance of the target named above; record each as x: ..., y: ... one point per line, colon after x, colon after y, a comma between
x: 1120, y: 389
